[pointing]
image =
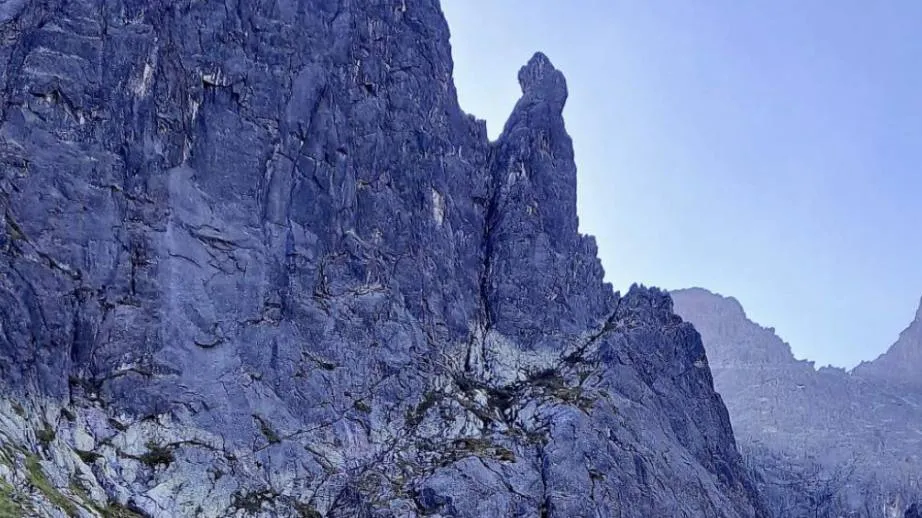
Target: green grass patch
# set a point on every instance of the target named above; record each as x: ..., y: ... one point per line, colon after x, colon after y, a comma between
x: 9, y: 507
x: 112, y: 509
x: 38, y: 480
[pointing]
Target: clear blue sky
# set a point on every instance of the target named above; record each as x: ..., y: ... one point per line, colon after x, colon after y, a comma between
x: 769, y: 150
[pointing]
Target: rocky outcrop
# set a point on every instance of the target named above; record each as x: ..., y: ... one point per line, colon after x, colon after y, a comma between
x: 901, y: 365
x: 827, y: 442
x: 257, y: 261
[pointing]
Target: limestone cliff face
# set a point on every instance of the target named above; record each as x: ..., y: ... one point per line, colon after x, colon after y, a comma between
x: 257, y: 261
x: 857, y: 434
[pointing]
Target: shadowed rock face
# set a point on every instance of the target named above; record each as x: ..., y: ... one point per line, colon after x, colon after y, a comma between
x: 787, y: 413
x: 256, y: 260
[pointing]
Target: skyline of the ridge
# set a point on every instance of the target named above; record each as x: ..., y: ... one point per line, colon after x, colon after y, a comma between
x: 762, y: 151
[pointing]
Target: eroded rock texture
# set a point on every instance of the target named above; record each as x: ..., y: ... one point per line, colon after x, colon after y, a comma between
x: 257, y: 261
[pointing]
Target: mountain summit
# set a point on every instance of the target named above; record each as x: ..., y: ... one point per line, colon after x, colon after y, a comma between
x: 257, y: 262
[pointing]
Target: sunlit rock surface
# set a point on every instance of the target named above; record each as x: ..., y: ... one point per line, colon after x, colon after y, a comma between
x: 256, y: 261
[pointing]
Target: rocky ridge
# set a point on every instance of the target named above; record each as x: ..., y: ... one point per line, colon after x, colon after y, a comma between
x: 850, y: 437
x: 901, y: 366
x: 256, y: 261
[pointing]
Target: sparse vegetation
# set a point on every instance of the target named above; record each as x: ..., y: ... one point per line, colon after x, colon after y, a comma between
x: 157, y: 455
x: 549, y: 379
x: 117, y: 425
x: 117, y: 510
x: 307, y: 510
x: 554, y: 385
x: 504, y: 454
x: 416, y: 415
x: 45, y: 435
x: 88, y: 457
x: 38, y: 480
x: 501, y: 398
x: 112, y: 509
x: 482, y: 447
x: 9, y: 507
x: 271, y: 435
x: 252, y: 502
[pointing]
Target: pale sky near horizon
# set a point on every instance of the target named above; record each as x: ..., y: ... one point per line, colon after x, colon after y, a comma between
x: 764, y: 150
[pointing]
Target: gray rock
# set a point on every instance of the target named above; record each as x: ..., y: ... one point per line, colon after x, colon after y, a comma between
x: 901, y: 365
x: 825, y: 442
x: 257, y: 262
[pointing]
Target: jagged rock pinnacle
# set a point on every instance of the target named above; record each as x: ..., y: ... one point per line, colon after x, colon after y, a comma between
x: 540, y: 80
x: 308, y: 273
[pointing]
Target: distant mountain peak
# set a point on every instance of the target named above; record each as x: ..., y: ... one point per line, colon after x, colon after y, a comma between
x: 716, y: 315
x: 781, y: 406
x: 702, y: 295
